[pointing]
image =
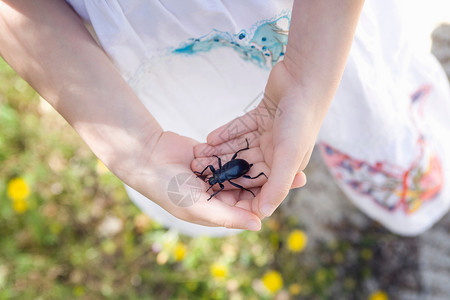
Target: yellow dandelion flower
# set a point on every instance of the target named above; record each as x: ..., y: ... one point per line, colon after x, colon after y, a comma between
x: 295, y: 289
x: 20, y: 206
x: 378, y: 295
x: 18, y: 189
x: 297, y: 240
x: 273, y: 281
x: 179, y: 251
x: 219, y: 270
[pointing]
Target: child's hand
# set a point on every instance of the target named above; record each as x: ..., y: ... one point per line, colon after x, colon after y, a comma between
x: 282, y: 132
x: 158, y: 179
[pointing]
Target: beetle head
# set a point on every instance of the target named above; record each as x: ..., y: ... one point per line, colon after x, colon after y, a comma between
x: 212, y: 180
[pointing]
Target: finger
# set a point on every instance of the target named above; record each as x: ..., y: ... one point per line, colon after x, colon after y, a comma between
x: 246, y: 199
x: 234, y: 194
x: 305, y: 160
x: 239, y: 194
x: 233, y: 129
x: 238, y: 198
x: 230, y: 197
x: 241, y: 198
x: 245, y: 196
x: 245, y: 204
x: 284, y: 168
x: 217, y: 213
x: 228, y: 147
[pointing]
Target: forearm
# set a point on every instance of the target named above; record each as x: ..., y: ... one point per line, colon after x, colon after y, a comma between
x: 47, y: 44
x: 320, y: 37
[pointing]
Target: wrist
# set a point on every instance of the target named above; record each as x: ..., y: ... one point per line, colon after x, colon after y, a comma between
x: 284, y: 86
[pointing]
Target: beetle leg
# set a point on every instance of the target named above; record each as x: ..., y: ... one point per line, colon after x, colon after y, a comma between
x: 262, y: 173
x: 234, y: 156
x: 221, y: 188
x: 220, y: 161
x: 241, y: 187
x: 210, y: 187
x: 208, y: 166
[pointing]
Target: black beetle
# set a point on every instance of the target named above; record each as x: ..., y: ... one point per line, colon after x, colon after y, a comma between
x: 233, y: 169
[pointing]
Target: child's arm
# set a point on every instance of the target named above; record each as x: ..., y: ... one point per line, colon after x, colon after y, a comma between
x: 320, y: 39
x: 302, y: 85
x: 47, y: 44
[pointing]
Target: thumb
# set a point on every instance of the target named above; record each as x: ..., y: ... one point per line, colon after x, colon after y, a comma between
x: 286, y: 162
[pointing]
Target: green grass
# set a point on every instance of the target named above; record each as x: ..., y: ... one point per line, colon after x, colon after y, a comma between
x: 54, y: 249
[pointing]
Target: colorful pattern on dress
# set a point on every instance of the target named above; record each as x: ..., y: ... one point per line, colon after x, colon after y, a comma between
x: 389, y: 185
x: 264, y: 46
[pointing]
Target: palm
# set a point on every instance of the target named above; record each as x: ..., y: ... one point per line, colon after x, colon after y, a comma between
x: 170, y: 160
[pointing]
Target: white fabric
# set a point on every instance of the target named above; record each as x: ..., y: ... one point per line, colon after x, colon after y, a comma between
x: 197, y: 64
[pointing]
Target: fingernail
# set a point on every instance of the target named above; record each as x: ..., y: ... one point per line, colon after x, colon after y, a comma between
x: 253, y: 225
x: 267, y: 210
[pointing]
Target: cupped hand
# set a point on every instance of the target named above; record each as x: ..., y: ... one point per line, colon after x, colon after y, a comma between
x: 282, y: 131
x: 159, y: 176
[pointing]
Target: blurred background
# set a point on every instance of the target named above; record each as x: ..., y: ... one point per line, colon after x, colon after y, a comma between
x: 69, y: 231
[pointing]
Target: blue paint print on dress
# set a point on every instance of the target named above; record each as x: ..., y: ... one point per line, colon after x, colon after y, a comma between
x: 264, y: 47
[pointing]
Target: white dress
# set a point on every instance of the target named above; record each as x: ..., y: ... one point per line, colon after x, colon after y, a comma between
x: 198, y: 64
